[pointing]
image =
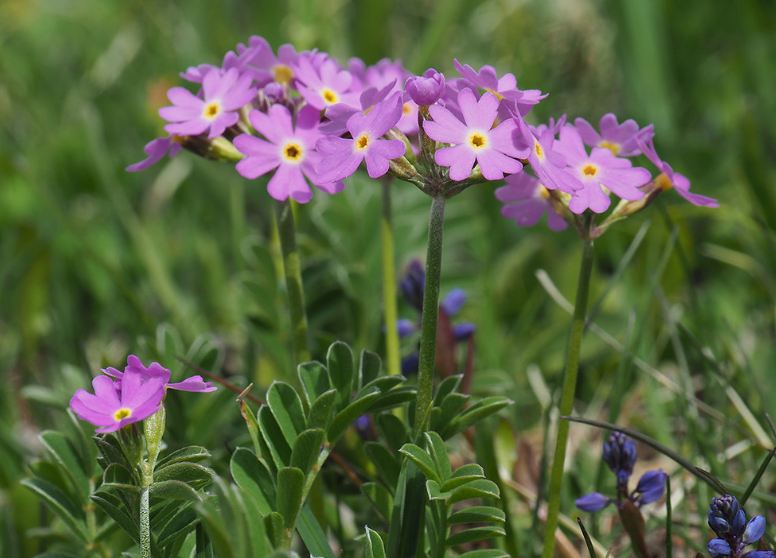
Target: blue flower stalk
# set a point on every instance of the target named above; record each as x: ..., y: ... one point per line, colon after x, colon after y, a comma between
x: 734, y: 533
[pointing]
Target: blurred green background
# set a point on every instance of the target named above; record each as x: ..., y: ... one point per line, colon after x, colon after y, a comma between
x: 93, y: 260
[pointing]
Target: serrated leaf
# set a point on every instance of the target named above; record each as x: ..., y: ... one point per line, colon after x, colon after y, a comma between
x: 58, y: 502
x: 477, y: 514
x: 349, y: 414
x: 290, y: 491
x: 322, y: 411
x: 314, y: 379
x: 388, y: 466
x: 370, y: 366
x: 380, y: 498
x: 287, y: 409
x: 192, y: 454
x: 373, y: 545
x: 480, y: 488
x: 422, y: 460
x: 474, y: 534
x: 61, y: 450
x: 254, y: 479
x: 272, y: 436
x: 307, y: 448
x: 339, y: 362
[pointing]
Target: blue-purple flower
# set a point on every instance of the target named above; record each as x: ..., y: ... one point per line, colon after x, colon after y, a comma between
x: 734, y: 533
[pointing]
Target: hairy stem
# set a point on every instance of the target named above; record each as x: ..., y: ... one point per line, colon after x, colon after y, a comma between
x: 292, y: 269
x: 389, y: 284
x: 428, y: 331
x: 567, y: 394
x: 153, y: 431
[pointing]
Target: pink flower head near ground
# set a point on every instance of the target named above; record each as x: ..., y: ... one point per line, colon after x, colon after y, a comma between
x: 223, y: 95
x: 342, y: 156
x: 599, y: 172
x: 473, y: 139
x: 288, y: 150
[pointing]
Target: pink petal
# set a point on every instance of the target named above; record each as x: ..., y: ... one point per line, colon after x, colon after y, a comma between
x: 460, y: 159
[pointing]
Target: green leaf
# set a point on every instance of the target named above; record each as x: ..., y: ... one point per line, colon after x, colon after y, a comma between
x: 383, y: 384
x: 446, y: 387
x: 192, y: 474
x: 485, y: 553
x: 388, y: 466
x: 314, y: 379
x: 478, y: 514
x: 179, y: 525
x: 438, y: 452
x: 115, y: 509
x: 253, y: 478
x: 191, y: 454
x: 422, y: 460
x: 474, y: 534
x: 290, y: 493
x: 393, y: 429
x: 451, y: 407
x: 280, y: 451
x: 373, y: 545
x: 483, y: 408
x: 62, y: 451
x: 394, y: 398
x: 339, y: 361
x: 66, y: 509
x: 463, y: 475
x: 370, y: 367
x: 480, y: 488
x: 307, y: 448
x: 322, y: 411
x: 273, y: 524
x: 118, y: 477
x: 434, y: 492
x: 312, y: 534
x: 174, y: 490
x: 380, y: 498
x: 287, y: 409
x: 349, y: 414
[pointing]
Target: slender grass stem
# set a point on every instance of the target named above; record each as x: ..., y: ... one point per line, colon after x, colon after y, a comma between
x: 389, y: 284
x: 292, y: 269
x: 428, y: 326
x: 567, y: 393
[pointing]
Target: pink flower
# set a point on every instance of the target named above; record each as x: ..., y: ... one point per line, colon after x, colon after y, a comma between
x: 324, y: 85
x: 113, y: 406
x: 599, y: 173
x: 620, y: 139
x: 526, y: 201
x: 155, y: 150
x: 223, y: 94
x: 258, y: 60
x: 157, y: 371
x: 504, y: 87
x: 670, y: 178
x: 473, y: 140
x: 342, y: 156
x: 288, y: 150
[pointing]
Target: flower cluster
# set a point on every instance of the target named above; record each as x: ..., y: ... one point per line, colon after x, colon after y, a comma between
x: 304, y: 119
x: 124, y: 397
x: 619, y: 453
x: 449, y: 334
x: 734, y: 533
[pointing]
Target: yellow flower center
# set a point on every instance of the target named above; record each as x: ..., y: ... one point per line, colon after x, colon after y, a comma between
x: 329, y: 96
x: 538, y: 150
x: 362, y: 142
x: 611, y: 146
x: 122, y: 414
x: 211, y: 110
x: 498, y: 95
x: 292, y: 152
x: 477, y: 140
x: 589, y: 170
x: 542, y: 192
x: 406, y: 109
x: 282, y: 73
x: 663, y: 182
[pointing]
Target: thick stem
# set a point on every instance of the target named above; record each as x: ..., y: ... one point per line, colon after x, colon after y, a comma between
x: 292, y: 269
x: 567, y: 394
x: 389, y: 285
x: 145, y: 522
x: 428, y: 331
x: 153, y: 431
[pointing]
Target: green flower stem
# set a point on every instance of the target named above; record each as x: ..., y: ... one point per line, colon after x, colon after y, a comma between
x: 292, y: 269
x: 567, y: 395
x: 153, y: 430
x: 428, y: 331
x: 389, y: 284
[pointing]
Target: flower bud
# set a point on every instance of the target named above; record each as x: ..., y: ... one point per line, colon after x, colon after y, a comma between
x: 726, y: 516
x: 593, y: 502
x: 426, y: 89
x: 619, y: 454
x: 412, y: 285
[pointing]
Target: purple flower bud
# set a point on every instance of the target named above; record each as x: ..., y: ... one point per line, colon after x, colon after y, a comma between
x: 619, y: 454
x: 463, y: 331
x: 760, y: 554
x: 406, y: 327
x: 274, y: 91
x: 726, y: 517
x: 718, y: 548
x: 426, y: 89
x: 454, y: 301
x: 755, y: 530
x: 413, y: 284
x: 593, y: 502
x: 409, y: 364
x: 651, y: 486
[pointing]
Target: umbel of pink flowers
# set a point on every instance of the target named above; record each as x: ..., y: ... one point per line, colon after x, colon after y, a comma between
x: 304, y: 119
x: 124, y: 397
